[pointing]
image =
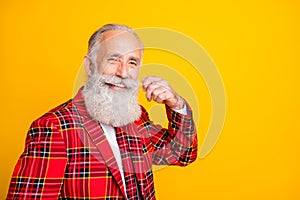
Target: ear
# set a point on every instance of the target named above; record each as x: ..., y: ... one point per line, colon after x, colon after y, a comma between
x: 88, y: 65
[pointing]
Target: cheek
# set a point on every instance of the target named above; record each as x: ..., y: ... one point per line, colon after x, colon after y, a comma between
x: 134, y: 73
x: 106, y: 69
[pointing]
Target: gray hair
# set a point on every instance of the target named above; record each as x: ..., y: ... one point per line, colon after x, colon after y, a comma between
x: 93, y: 41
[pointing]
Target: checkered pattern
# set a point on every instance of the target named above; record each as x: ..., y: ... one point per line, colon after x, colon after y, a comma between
x: 67, y: 156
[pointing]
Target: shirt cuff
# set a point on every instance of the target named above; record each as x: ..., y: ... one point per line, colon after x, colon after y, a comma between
x: 183, y: 110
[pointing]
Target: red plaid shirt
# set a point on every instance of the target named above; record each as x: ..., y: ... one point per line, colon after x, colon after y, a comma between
x: 67, y: 156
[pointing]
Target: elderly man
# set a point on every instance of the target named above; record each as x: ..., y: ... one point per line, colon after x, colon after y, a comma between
x: 101, y: 144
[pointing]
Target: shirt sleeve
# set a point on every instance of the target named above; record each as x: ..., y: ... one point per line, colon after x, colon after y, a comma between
x: 39, y: 171
x: 177, y: 144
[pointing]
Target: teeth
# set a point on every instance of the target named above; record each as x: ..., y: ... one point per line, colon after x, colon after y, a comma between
x: 120, y: 85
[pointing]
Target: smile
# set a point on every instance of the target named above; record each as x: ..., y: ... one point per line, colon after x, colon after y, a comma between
x: 116, y: 86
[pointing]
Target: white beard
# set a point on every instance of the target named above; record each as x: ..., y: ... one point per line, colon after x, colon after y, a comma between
x: 108, y: 106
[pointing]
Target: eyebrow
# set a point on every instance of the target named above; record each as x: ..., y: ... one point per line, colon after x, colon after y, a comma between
x: 119, y: 55
x: 114, y: 55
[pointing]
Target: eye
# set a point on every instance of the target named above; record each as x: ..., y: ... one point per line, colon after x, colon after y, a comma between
x: 113, y: 59
x: 133, y: 63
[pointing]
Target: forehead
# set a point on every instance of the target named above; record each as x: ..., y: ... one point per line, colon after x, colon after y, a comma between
x: 119, y: 41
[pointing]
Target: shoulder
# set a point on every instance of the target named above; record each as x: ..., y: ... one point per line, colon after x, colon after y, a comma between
x: 63, y: 112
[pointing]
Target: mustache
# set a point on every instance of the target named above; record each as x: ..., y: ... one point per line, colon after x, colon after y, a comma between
x: 115, y: 80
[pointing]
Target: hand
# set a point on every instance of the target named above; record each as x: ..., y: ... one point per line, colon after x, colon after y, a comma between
x: 160, y: 91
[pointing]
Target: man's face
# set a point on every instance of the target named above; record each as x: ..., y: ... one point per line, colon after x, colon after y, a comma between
x: 111, y: 91
x: 119, y: 54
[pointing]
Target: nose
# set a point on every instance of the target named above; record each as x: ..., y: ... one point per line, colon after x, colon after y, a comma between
x: 122, y: 70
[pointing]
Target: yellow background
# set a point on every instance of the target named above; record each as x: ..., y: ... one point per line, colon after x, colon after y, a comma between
x: 255, y: 45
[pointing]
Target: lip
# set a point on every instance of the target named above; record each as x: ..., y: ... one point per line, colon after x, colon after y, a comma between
x: 119, y: 87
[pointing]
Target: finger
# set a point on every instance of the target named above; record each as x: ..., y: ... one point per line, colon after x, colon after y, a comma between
x: 154, y: 89
x: 149, y: 79
x: 169, y: 96
x: 149, y: 89
x: 161, y: 97
x: 161, y: 83
x: 158, y: 91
